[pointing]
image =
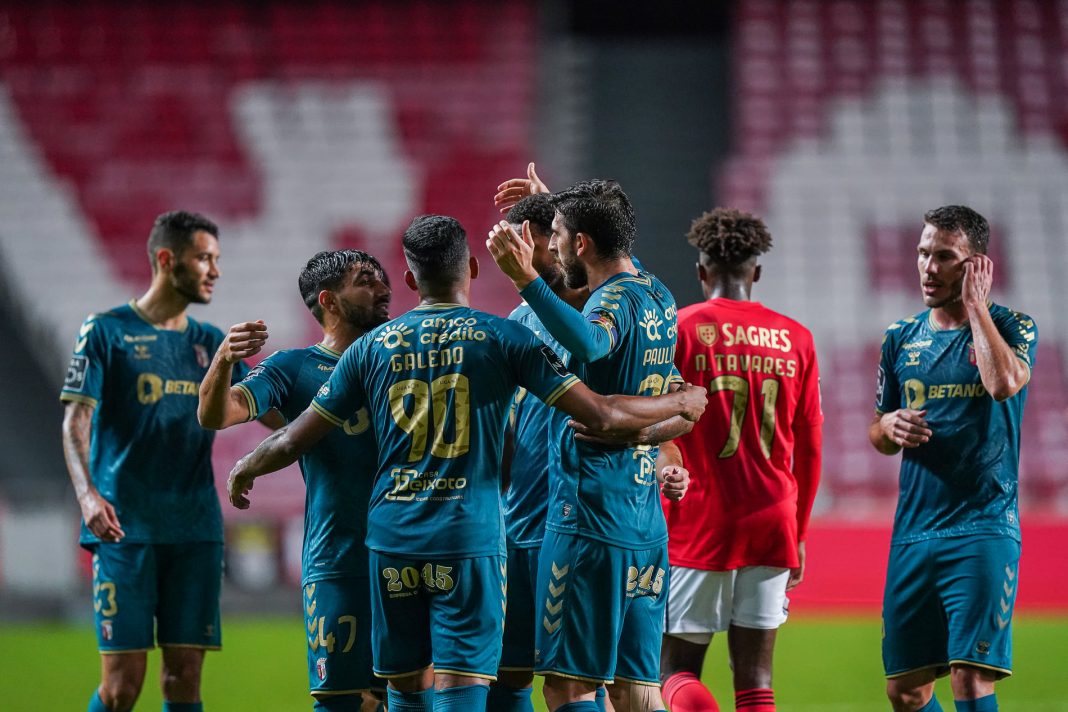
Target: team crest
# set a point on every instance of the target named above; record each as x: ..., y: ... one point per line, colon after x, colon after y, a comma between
x: 106, y: 631
x: 982, y: 647
x: 971, y: 354
x: 707, y: 333
x: 202, y: 355
x: 320, y: 668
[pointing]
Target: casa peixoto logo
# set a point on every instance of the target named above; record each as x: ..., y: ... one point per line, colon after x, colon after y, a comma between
x: 707, y: 333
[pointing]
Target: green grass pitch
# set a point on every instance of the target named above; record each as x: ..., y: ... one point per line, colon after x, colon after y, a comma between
x: 822, y: 665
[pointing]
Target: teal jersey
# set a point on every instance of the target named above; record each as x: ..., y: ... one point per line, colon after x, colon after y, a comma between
x: 337, y: 472
x: 964, y: 480
x: 148, y: 456
x: 611, y: 494
x: 438, y: 382
x: 527, y: 496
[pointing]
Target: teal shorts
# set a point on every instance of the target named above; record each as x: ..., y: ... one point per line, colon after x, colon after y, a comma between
x: 517, y: 653
x: 149, y: 594
x: 337, y: 621
x: 602, y: 613
x: 949, y: 601
x: 449, y: 612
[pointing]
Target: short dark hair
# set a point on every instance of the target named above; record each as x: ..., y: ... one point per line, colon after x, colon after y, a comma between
x: 436, y: 248
x: 953, y: 218
x: 174, y: 231
x: 603, y: 211
x: 729, y: 237
x: 538, y: 209
x: 327, y: 270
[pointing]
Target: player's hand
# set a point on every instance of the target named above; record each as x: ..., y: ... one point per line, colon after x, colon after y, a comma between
x: 100, y: 517
x: 239, y: 484
x: 512, y: 191
x: 797, y: 575
x: 978, y: 278
x: 693, y: 401
x: 243, y: 340
x: 676, y: 480
x: 906, y: 427
x: 513, y: 253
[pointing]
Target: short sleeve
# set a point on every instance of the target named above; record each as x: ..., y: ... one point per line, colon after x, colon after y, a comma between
x: 535, y: 365
x: 239, y: 373
x: 1021, y: 334
x: 810, y: 404
x: 344, y: 393
x: 675, y: 376
x: 614, y: 312
x: 266, y: 386
x: 887, y: 389
x: 84, y: 382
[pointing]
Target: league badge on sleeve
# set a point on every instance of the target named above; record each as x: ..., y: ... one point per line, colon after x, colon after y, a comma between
x: 554, y: 361
x: 75, y: 379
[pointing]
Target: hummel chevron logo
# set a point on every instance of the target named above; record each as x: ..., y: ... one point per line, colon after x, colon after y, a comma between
x: 310, y: 608
x: 554, y: 610
x: 311, y: 626
x: 556, y: 590
x: 550, y: 627
x: 1009, y: 573
x: 560, y: 573
x: 1004, y: 606
x: 1002, y: 622
x: 1008, y: 589
x: 309, y: 590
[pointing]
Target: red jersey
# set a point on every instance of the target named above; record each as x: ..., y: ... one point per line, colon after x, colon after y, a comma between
x: 750, y: 494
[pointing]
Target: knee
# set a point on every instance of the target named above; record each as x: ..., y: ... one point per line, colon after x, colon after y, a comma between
x: 515, y: 679
x: 120, y: 693
x: 970, y: 683
x: 180, y: 679
x: 904, y: 698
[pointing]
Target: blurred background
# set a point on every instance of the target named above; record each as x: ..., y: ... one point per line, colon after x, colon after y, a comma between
x: 307, y: 126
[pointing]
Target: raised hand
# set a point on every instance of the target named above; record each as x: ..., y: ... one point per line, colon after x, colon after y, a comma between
x: 513, y: 253
x: 243, y: 340
x: 676, y: 480
x: 512, y: 191
x: 100, y: 517
x: 978, y: 278
x: 906, y: 427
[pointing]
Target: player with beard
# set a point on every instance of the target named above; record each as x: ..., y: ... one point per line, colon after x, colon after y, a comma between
x: 141, y: 469
x: 605, y: 545
x: 348, y: 293
x: 950, y: 397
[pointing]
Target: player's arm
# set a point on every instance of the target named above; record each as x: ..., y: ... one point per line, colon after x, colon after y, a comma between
x: 894, y: 427
x: 222, y: 405
x: 655, y: 434
x: 1003, y: 373
x: 512, y: 191
x: 586, y: 341
x: 807, y: 469
x: 279, y: 449
x: 97, y: 512
x: 603, y: 414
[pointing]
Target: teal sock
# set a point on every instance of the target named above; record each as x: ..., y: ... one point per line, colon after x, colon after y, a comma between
x: 96, y: 704
x: 338, y: 703
x: 583, y: 706
x: 398, y: 701
x: 183, y: 706
x: 931, y: 706
x: 982, y: 704
x: 509, y: 699
x: 602, y: 695
x: 465, y: 698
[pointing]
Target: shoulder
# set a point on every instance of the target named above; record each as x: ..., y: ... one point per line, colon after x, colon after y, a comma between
x: 1006, y: 315
x: 287, y: 359
x: 521, y: 312
x: 894, y: 332
x: 204, y: 330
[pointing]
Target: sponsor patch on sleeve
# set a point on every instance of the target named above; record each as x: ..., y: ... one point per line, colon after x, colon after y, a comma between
x: 880, y: 385
x: 75, y: 380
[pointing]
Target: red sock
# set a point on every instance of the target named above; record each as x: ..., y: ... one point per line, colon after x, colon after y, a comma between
x: 758, y: 700
x: 683, y: 692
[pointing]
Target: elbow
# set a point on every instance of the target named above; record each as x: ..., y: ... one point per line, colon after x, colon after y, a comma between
x: 206, y: 420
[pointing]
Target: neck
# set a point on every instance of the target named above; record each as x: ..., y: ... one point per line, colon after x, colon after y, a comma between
x: 574, y: 297
x: 950, y: 316
x: 163, y: 306
x: 734, y: 289
x: 599, y: 272
x: 338, y: 337
x: 453, y: 294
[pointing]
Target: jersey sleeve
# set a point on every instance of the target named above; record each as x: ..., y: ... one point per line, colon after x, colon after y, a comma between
x: 344, y: 393
x: 586, y: 339
x: 267, y: 386
x: 84, y: 382
x: 810, y: 403
x: 887, y: 389
x: 1021, y: 334
x: 534, y: 364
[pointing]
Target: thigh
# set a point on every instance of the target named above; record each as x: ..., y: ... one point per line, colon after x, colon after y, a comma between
x: 467, y: 606
x: 400, y: 617
x: 642, y: 630
x: 189, y: 579
x: 337, y: 620
x: 517, y: 651
x: 698, y: 604
x: 581, y: 595
x: 124, y: 596
x: 914, y: 626
x: 978, y: 579
x: 760, y: 597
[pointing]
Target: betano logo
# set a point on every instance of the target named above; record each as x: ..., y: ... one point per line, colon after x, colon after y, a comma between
x: 151, y: 388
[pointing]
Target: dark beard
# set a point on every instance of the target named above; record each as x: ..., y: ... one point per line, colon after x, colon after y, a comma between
x: 575, y: 275
x: 362, y: 319
x: 187, y: 286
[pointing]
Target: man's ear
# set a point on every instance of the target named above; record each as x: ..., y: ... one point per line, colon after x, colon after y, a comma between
x: 472, y: 263
x: 702, y: 273
x: 327, y: 300
x: 409, y: 279
x: 756, y: 273
x: 583, y: 242
x: 165, y: 258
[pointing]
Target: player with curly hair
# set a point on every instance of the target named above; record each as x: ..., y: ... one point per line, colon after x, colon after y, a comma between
x: 736, y: 541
